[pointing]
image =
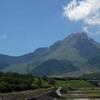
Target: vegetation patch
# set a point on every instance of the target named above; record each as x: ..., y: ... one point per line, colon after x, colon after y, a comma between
x: 11, y: 82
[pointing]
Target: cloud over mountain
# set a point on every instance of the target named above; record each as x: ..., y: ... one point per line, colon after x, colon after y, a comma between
x: 86, y: 10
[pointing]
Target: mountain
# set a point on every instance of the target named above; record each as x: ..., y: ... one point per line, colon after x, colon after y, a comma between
x: 53, y: 67
x: 76, y: 54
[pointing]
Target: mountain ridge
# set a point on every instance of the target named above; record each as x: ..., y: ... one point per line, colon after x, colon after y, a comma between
x: 77, y: 48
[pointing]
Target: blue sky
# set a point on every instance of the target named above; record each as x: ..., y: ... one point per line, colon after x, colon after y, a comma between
x: 26, y: 25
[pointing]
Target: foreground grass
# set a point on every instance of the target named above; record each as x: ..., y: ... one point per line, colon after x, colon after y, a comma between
x: 49, y: 83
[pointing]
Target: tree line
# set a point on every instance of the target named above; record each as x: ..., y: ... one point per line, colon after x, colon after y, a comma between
x: 10, y: 82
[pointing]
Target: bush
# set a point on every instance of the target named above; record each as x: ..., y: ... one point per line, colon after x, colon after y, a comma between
x: 5, y: 87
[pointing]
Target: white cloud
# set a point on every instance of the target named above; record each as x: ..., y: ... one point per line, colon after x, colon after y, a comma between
x: 86, y: 10
x: 86, y: 29
x: 3, y: 36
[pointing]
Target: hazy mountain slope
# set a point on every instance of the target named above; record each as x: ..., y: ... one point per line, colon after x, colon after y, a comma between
x: 7, y: 61
x: 19, y: 68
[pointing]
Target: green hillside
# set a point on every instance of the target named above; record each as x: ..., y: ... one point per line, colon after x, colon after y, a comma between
x: 54, y: 67
x: 19, y: 68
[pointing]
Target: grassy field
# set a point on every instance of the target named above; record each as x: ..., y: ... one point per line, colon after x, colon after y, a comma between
x: 73, y: 83
x: 79, y: 90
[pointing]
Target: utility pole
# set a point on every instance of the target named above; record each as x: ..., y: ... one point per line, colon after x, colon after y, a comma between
x: 28, y: 68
